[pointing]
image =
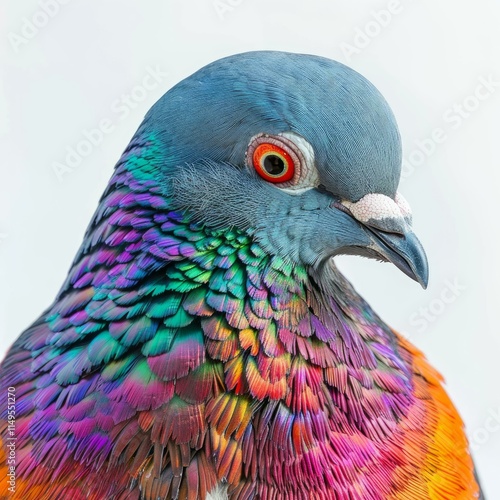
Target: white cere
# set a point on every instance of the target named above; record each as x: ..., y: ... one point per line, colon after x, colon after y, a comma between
x: 375, y: 206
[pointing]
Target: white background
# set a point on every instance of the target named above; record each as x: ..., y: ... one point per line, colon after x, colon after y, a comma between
x: 66, y: 75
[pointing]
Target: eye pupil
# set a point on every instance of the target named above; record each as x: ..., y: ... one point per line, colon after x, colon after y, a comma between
x: 274, y: 165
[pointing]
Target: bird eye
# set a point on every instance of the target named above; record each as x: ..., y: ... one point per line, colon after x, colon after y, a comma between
x: 286, y: 160
x: 273, y: 163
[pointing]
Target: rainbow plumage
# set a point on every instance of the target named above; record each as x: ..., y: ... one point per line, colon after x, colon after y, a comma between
x: 178, y: 357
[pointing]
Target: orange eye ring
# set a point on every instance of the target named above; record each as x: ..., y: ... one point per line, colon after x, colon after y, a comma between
x: 273, y: 163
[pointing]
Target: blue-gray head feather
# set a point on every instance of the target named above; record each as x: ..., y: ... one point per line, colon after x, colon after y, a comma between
x: 215, y: 112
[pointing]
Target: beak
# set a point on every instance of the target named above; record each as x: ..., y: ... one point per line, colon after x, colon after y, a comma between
x: 387, y: 224
x: 404, y: 250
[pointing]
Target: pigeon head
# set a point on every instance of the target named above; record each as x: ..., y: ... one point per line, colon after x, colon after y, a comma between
x: 299, y: 151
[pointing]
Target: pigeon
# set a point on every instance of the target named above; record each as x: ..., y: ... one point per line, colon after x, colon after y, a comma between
x: 204, y: 345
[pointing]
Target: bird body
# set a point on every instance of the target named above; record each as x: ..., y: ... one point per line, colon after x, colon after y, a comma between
x: 204, y: 344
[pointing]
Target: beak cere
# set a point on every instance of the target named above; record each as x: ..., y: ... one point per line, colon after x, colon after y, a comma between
x: 388, y: 223
x: 380, y: 211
